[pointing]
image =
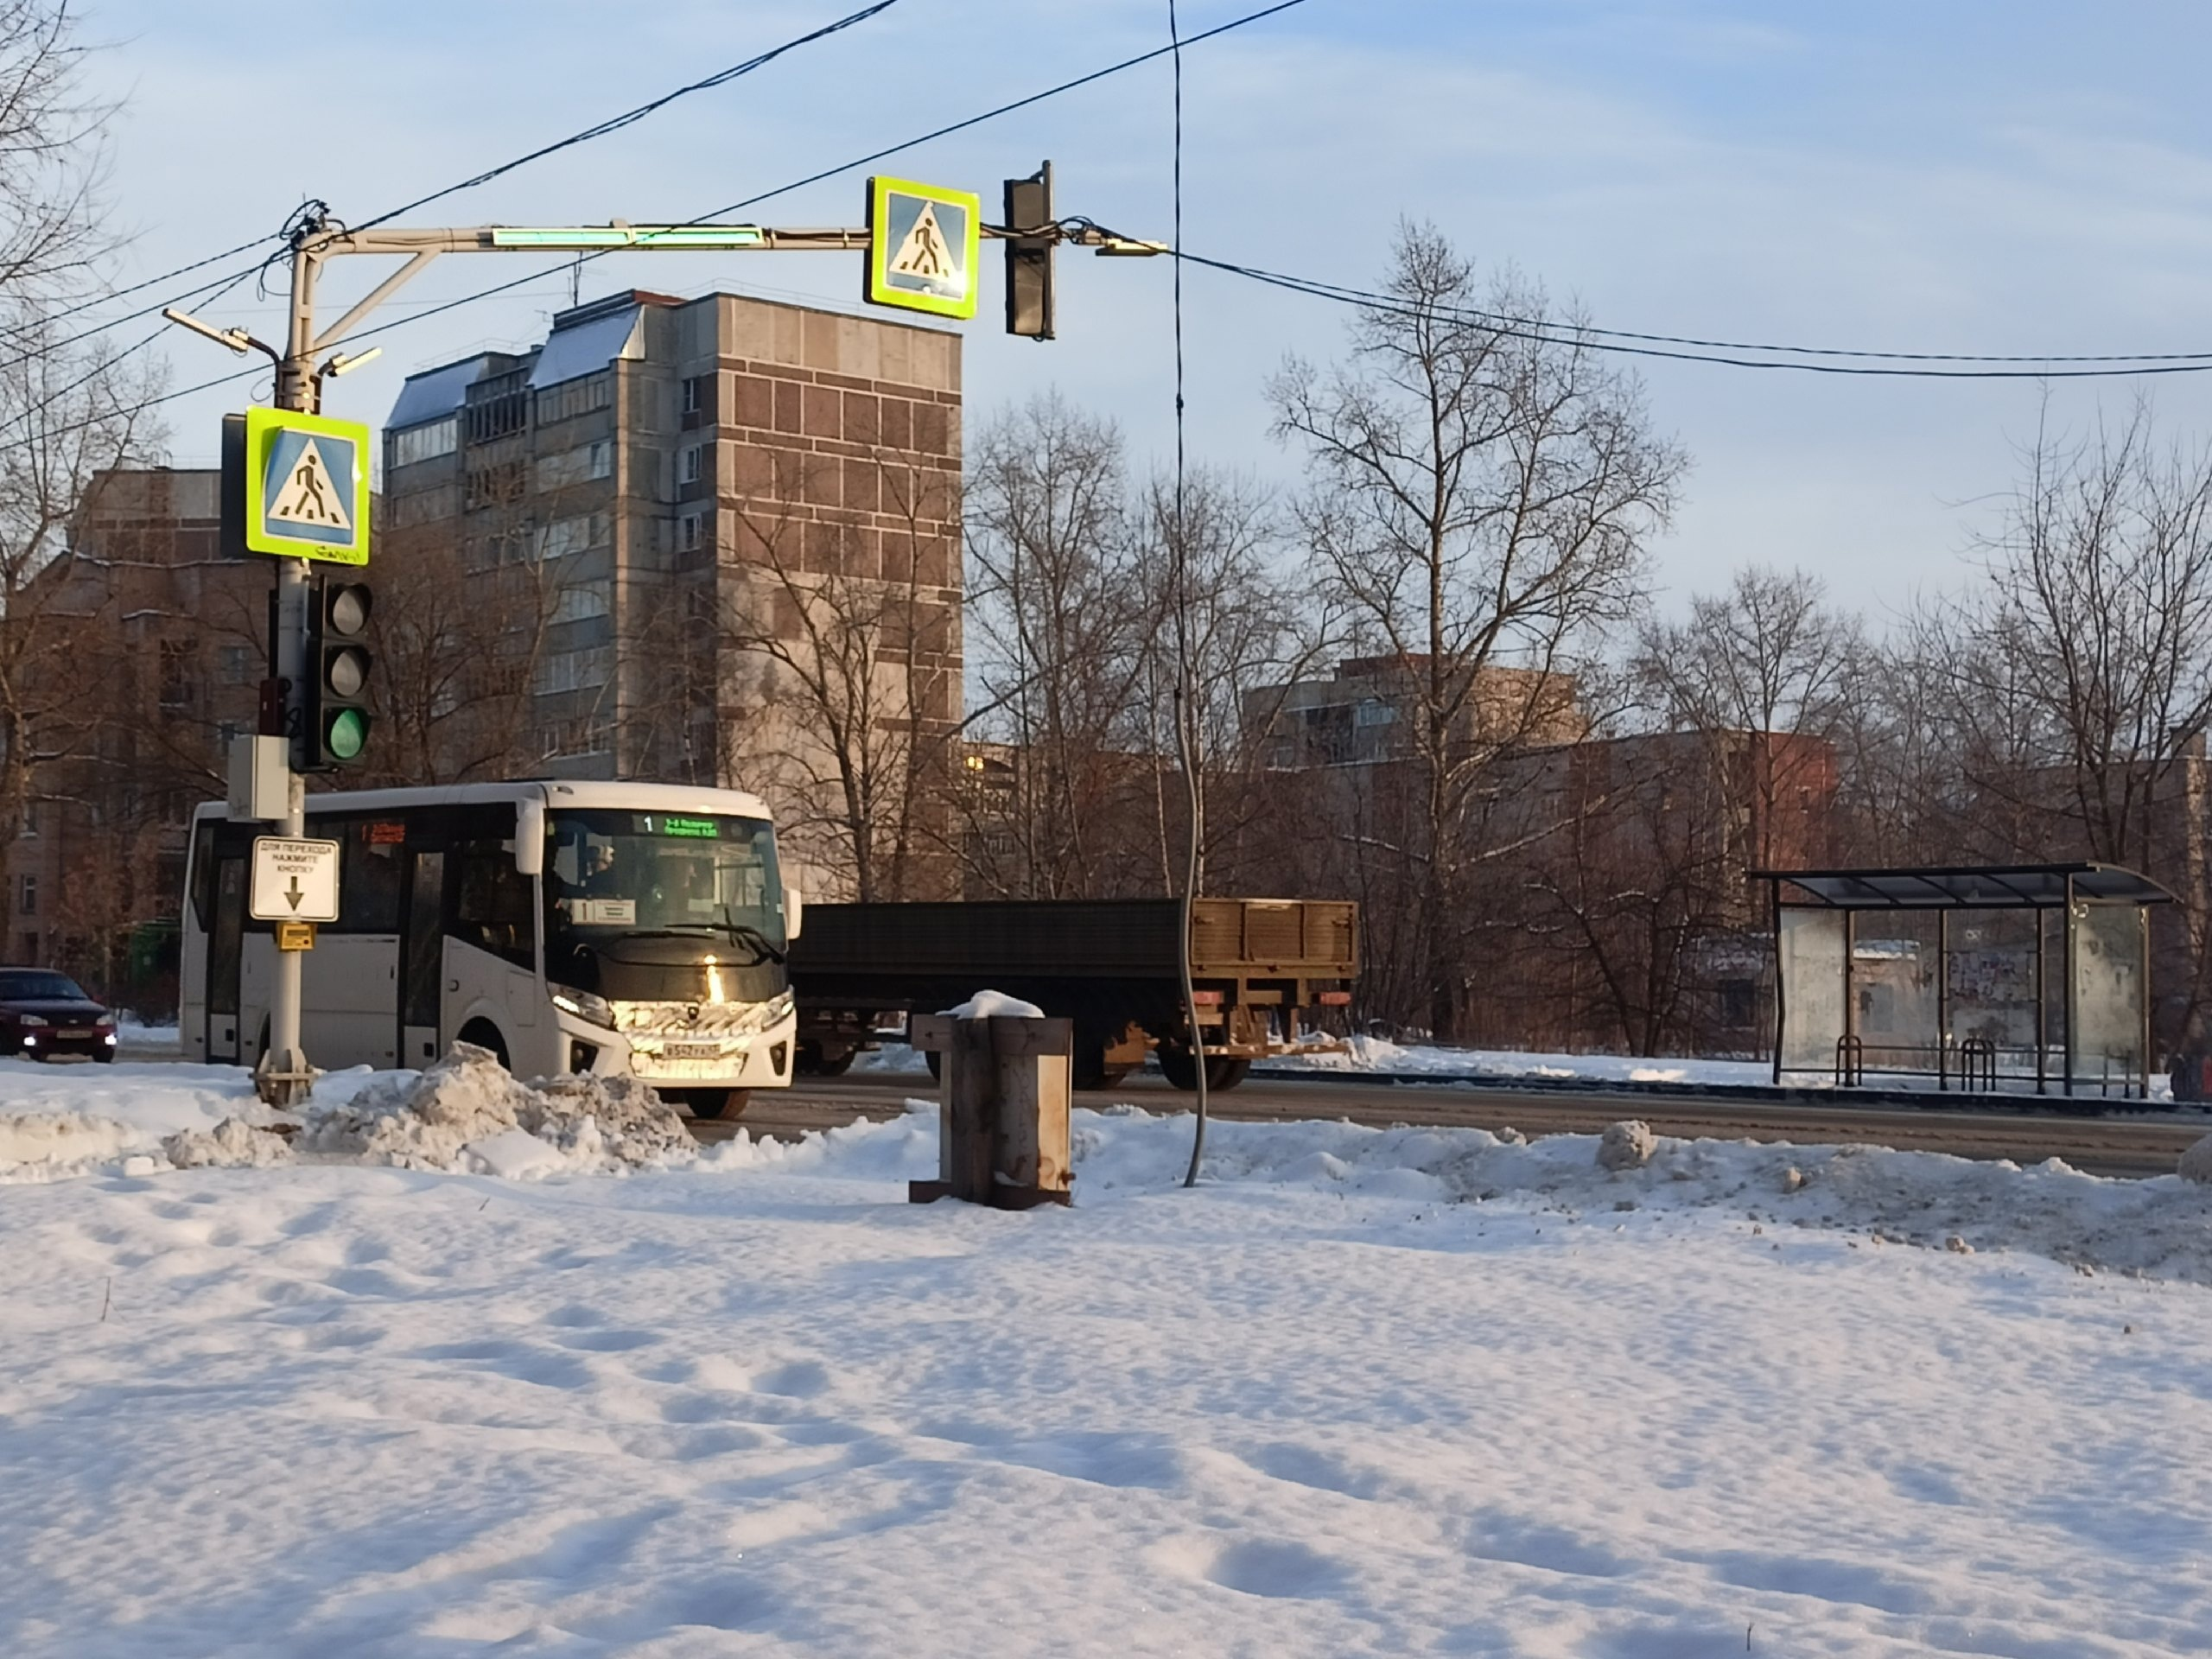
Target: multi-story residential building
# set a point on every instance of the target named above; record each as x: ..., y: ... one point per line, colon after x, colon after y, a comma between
x: 145, y: 657
x: 1366, y: 713
x: 715, y: 539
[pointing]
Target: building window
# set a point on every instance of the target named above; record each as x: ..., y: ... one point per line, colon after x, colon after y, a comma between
x: 689, y: 532
x: 1375, y: 712
x: 581, y: 601
x: 236, y: 664
x: 692, y: 400
x: 695, y: 463
x: 498, y: 405
x: 566, y: 536
x: 1738, y: 1003
x: 176, y: 673
x: 424, y: 442
x: 574, y: 397
x: 27, y: 895
x: 582, y: 465
x: 570, y: 670
x: 226, y: 732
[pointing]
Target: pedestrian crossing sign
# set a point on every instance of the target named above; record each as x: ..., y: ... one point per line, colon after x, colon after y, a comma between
x: 922, y: 247
x: 307, y: 486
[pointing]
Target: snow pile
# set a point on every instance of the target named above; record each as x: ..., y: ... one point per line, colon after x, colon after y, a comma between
x: 57, y: 1146
x: 994, y: 1005
x: 2196, y: 1164
x: 2160, y: 1228
x: 1375, y: 1055
x: 1626, y: 1145
x: 232, y: 1144
x: 467, y: 1113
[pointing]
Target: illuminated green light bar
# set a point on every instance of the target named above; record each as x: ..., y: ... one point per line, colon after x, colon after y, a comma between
x: 630, y: 236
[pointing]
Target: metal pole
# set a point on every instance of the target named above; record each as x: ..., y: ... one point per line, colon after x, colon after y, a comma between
x: 1944, y: 1003
x: 2042, y: 1011
x: 282, y: 1075
x: 2067, y: 993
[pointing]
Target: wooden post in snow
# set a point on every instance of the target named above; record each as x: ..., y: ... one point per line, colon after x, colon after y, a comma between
x: 1002, y: 1110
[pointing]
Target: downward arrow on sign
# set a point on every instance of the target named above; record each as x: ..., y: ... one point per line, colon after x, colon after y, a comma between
x: 294, y: 893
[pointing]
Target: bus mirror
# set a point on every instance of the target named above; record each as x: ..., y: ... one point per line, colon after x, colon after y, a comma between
x: 794, y: 910
x: 529, y: 837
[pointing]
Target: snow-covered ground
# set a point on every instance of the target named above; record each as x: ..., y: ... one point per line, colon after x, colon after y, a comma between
x: 1363, y: 1392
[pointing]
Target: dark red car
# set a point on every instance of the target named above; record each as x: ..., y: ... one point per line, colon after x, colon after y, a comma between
x: 43, y: 1013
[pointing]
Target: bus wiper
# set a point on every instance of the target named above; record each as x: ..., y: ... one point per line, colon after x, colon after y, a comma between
x: 741, y: 933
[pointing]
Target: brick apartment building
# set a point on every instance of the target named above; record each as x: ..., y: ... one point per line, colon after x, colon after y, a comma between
x: 149, y: 657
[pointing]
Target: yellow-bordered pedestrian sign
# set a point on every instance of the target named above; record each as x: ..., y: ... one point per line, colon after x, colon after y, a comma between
x: 922, y: 247
x: 306, y: 487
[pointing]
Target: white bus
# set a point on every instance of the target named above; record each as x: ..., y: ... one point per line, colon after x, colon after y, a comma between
x: 566, y: 927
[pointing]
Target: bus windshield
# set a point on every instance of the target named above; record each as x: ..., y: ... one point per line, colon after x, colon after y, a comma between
x: 613, y: 876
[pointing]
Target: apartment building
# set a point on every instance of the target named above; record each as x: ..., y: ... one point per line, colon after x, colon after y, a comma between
x: 671, y: 514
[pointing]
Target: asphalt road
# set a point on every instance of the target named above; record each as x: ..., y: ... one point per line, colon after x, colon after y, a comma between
x: 2133, y: 1145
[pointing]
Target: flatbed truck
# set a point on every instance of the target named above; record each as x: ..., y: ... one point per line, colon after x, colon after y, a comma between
x: 1261, y: 969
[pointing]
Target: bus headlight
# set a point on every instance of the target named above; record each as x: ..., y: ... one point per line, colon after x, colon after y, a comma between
x: 585, y: 1005
x: 776, y: 1008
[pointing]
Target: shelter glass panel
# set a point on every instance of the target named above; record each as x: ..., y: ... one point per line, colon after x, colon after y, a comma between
x: 2108, y: 991
x: 1812, y: 981
x: 1893, y: 983
x: 1992, y: 986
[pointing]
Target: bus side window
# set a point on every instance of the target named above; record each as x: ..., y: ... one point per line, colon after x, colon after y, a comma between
x: 203, y: 874
x: 371, y: 875
x: 492, y: 903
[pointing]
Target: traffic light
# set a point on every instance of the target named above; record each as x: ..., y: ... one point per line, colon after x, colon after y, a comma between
x: 335, y: 713
x: 1029, y: 258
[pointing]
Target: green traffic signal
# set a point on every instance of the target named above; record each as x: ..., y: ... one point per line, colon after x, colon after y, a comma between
x: 345, y: 734
x: 335, y: 727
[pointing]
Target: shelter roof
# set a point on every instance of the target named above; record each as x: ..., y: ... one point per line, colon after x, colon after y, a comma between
x: 1983, y: 886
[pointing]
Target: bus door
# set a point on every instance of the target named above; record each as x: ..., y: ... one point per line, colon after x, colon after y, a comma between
x: 421, y: 956
x: 225, y: 950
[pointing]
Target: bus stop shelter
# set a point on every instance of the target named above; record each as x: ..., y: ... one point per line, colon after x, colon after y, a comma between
x: 1982, y: 977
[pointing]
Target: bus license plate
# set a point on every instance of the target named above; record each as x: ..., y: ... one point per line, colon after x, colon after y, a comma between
x: 691, y: 1052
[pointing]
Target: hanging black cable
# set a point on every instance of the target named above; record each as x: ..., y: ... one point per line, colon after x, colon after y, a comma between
x: 1186, y: 701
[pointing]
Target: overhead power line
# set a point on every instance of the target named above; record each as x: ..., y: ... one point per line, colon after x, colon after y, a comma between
x: 857, y: 161
x: 1801, y: 360
x: 631, y: 118
x: 782, y: 189
x: 599, y: 130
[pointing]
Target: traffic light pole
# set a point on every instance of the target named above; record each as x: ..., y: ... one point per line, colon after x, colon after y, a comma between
x: 283, y: 1076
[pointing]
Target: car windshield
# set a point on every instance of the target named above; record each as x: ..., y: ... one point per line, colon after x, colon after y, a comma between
x: 40, y: 986
x: 612, y: 874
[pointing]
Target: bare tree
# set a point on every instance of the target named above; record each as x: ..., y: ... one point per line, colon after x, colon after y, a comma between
x: 1769, y: 655
x: 1484, y: 482
x: 861, y: 643
x: 64, y: 415
x: 1058, y: 616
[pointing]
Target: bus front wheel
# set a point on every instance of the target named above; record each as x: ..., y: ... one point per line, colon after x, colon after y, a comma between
x: 723, y: 1104
x: 485, y: 1034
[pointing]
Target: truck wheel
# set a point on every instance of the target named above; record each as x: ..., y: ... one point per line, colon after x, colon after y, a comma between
x: 1177, y: 1066
x: 723, y: 1104
x: 812, y: 1063
x: 1223, y: 1072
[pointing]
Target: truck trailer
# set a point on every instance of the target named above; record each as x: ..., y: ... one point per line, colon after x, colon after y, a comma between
x: 1261, y: 968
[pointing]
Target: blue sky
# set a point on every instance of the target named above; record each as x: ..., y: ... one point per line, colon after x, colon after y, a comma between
x: 2029, y: 176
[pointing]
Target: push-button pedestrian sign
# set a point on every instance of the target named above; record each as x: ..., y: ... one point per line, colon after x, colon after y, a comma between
x: 922, y: 246
x: 307, y: 485
x: 293, y: 881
